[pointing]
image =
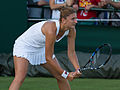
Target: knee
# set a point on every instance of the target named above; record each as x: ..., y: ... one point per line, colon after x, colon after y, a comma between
x: 19, y: 79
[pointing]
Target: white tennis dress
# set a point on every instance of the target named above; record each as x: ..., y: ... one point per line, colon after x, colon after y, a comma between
x: 31, y: 44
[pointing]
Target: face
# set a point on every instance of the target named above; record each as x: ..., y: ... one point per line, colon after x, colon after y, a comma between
x: 71, y: 21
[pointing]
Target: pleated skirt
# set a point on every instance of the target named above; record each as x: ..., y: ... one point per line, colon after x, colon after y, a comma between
x: 35, y: 56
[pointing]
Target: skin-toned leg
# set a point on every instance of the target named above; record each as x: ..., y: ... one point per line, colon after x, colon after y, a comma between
x: 21, y: 67
x: 62, y: 83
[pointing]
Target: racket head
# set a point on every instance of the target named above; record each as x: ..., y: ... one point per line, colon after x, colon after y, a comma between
x: 99, y: 57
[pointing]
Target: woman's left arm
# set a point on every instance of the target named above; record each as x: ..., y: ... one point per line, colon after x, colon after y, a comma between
x: 71, y: 49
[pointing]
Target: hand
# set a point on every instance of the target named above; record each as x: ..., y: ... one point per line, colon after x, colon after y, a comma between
x: 75, y: 6
x: 102, y: 4
x: 70, y: 76
x: 73, y: 75
x: 69, y: 2
x: 77, y: 73
x: 88, y: 7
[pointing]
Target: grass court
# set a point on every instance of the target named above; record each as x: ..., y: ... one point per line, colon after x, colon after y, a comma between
x: 47, y: 83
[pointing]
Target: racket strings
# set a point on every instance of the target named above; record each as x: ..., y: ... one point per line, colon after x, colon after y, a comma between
x: 101, y: 56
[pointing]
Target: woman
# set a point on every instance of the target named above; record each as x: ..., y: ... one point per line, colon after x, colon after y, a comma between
x: 36, y: 46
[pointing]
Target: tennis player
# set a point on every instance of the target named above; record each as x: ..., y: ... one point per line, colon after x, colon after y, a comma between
x: 36, y: 46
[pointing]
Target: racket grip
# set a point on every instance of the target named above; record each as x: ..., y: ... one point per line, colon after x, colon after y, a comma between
x: 79, y: 70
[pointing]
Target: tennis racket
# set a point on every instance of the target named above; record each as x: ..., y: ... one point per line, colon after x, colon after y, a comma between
x: 99, y: 58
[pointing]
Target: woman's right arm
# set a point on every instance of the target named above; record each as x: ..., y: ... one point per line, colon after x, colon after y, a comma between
x: 50, y: 34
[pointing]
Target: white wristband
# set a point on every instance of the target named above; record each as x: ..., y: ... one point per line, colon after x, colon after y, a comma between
x: 65, y: 74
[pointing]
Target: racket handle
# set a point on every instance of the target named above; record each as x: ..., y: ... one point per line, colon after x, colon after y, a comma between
x: 79, y: 70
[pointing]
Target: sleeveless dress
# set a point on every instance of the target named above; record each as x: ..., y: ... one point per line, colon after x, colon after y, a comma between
x: 31, y: 44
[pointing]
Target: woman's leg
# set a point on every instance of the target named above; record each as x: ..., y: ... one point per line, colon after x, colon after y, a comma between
x: 62, y: 83
x: 21, y: 67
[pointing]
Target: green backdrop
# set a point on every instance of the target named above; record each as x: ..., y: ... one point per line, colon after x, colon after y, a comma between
x: 89, y: 37
x: 13, y: 22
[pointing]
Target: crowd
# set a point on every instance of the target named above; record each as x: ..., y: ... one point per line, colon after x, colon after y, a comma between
x: 55, y: 5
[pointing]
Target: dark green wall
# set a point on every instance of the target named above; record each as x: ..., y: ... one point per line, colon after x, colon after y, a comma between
x: 90, y: 37
x: 12, y: 22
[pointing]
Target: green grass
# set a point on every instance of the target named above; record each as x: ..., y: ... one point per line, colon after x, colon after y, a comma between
x: 42, y: 83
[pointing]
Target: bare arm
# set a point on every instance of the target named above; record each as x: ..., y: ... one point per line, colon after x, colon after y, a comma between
x: 75, y: 5
x: 69, y: 2
x: 53, y: 5
x: 71, y: 49
x: 88, y: 7
x: 56, y: 6
x: 114, y: 4
x: 49, y: 46
x: 49, y: 50
x: 42, y: 2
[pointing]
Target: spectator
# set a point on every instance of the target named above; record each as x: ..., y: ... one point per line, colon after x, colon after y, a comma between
x: 86, y: 14
x: 36, y: 12
x: 113, y: 3
x: 57, y: 4
x: 112, y: 15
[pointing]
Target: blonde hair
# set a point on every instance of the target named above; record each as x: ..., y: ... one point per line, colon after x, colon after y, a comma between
x: 66, y: 11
